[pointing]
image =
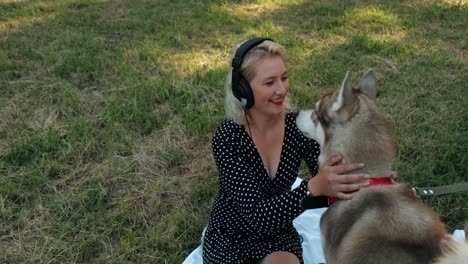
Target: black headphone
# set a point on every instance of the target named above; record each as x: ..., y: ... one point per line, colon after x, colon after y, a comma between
x: 240, y: 86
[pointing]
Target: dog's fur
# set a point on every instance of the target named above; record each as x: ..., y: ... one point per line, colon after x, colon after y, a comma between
x: 381, y: 224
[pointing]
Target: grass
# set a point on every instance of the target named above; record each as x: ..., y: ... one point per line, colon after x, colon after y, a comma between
x: 107, y: 109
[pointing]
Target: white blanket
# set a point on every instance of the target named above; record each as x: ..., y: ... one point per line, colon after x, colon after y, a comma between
x: 307, y: 225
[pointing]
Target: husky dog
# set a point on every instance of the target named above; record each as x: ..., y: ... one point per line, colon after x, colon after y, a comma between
x: 384, y: 223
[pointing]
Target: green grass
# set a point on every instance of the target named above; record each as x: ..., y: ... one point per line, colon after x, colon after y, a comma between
x: 107, y: 109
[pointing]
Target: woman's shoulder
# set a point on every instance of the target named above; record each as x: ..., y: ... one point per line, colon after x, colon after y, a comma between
x: 294, y: 131
x: 228, y: 125
x: 291, y: 116
x: 291, y: 121
x: 227, y: 128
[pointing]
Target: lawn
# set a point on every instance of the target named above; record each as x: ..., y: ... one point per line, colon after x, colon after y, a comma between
x: 107, y: 110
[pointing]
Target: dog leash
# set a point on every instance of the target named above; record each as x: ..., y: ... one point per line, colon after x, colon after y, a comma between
x: 432, y: 191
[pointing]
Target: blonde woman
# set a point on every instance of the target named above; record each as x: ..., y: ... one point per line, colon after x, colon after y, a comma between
x: 258, y: 150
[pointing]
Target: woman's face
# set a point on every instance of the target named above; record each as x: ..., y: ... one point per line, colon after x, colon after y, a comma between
x: 270, y: 86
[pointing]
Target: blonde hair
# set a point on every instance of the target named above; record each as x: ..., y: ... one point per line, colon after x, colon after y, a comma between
x: 232, y: 107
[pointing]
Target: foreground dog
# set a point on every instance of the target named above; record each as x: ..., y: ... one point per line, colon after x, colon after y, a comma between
x: 385, y: 223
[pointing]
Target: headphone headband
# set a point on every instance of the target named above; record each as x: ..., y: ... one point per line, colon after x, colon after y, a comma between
x: 243, y: 49
x: 236, y: 65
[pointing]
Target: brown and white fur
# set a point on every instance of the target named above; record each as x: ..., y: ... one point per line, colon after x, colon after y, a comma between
x: 381, y: 224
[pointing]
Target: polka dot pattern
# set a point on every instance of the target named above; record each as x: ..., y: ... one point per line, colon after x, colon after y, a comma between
x: 252, y: 214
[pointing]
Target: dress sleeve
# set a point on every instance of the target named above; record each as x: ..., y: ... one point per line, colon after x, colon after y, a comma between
x: 310, y: 153
x: 238, y: 181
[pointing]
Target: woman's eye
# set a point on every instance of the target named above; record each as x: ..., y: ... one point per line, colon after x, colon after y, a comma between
x: 270, y: 83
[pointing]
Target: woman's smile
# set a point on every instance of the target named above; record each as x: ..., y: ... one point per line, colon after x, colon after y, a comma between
x: 278, y: 103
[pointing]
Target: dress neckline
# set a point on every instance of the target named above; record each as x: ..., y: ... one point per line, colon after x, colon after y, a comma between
x: 257, y: 154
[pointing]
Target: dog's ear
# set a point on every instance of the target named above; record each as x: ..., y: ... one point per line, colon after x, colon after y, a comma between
x: 367, y: 84
x: 345, y: 95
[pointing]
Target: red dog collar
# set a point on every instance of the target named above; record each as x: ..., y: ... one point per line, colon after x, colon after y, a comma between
x: 373, y: 182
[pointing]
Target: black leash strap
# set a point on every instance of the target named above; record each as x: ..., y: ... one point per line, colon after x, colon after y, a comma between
x: 432, y: 191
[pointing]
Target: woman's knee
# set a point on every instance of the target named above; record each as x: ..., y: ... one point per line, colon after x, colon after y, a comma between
x: 280, y: 257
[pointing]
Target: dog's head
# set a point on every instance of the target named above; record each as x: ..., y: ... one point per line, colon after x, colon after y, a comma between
x: 348, y: 122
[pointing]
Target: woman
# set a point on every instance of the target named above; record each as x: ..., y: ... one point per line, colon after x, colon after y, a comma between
x: 258, y: 150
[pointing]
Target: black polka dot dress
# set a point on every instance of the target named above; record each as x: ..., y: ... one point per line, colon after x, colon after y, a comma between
x: 252, y: 214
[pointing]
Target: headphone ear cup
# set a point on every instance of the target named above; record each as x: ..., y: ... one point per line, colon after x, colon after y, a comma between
x: 246, y: 92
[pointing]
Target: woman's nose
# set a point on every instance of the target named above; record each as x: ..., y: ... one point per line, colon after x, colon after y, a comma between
x: 282, y: 88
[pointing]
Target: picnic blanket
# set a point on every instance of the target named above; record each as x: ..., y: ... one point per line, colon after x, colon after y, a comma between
x: 307, y: 225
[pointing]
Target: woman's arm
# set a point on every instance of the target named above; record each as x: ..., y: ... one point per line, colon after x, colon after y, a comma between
x: 334, y: 181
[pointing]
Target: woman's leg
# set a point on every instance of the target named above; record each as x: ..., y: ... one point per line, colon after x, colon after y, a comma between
x: 280, y: 257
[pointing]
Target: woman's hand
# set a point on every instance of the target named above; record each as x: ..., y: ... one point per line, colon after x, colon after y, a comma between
x: 329, y: 180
